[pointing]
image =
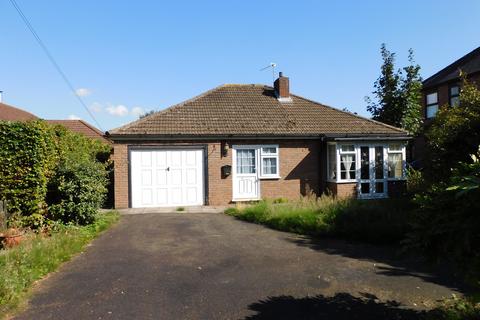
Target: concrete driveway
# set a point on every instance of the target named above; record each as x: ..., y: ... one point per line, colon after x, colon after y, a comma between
x: 211, y: 266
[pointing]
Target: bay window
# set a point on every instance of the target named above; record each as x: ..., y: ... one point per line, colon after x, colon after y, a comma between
x: 347, y: 162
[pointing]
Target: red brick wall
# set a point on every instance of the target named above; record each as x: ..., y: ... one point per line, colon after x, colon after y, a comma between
x: 343, y: 190
x: 299, y: 170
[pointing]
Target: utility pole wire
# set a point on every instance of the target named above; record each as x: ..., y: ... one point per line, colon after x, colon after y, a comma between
x: 52, y: 60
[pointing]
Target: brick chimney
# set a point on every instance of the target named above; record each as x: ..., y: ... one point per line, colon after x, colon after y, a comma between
x: 282, y: 88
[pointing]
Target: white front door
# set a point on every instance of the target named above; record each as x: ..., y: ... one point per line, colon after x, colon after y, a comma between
x: 246, y: 182
x: 164, y: 178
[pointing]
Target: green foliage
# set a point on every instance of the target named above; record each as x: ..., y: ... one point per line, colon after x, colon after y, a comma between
x: 180, y: 209
x: 397, y: 94
x: 49, y: 171
x: 27, y: 161
x: 454, y: 135
x: 447, y: 222
x: 382, y: 221
x: 38, y: 255
x: 456, y: 309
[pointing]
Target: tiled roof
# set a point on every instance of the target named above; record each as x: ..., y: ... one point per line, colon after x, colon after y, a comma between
x: 82, y: 127
x: 252, y: 110
x: 10, y: 113
x: 469, y: 63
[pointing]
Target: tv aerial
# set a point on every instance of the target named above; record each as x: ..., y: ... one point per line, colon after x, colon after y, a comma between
x: 272, y: 66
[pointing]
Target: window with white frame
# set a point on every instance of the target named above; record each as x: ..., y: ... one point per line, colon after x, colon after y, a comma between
x: 432, y: 104
x: 395, y: 161
x: 332, y: 162
x: 347, y: 161
x: 269, y: 162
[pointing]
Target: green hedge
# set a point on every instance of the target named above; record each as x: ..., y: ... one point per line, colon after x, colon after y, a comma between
x: 50, y: 172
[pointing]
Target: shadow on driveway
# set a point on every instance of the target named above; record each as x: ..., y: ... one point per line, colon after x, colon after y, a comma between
x: 390, y: 261
x: 340, y: 306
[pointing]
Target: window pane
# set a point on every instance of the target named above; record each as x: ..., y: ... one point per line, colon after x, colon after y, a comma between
x: 347, y: 166
x: 395, y: 164
x: 432, y: 98
x: 246, y: 161
x: 432, y: 111
x: 454, y: 101
x: 269, y: 150
x: 347, y: 148
x: 378, y: 162
x: 454, y: 91
x: 269, y: 166
x: 365, y: 163
x: 395, y: 147
x: 379, y: 187
x: 332, y: 162
x: 365, y: 187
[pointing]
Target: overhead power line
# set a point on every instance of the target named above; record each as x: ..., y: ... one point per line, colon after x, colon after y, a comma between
x: 52, y: 60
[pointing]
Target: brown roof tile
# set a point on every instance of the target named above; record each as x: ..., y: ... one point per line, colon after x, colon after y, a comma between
x: 10, y: 113
x: 82, y: 127
x: 252, y: 110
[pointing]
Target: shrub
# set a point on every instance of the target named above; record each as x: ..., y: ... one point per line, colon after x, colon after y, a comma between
x: 27, y: 161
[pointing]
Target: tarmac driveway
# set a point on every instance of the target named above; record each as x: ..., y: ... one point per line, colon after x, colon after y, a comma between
x: 211, y: 266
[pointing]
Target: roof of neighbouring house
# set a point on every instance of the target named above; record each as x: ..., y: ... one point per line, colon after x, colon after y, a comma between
x: 251, y: 110
x: 10, y: 113
x: 82, y: 127
x: 469, y: 63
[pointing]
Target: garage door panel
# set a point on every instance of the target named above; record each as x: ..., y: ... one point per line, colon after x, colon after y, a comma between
x: 166, y: 177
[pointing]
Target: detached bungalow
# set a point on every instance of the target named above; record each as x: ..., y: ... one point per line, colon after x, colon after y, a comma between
x: 247, y: 142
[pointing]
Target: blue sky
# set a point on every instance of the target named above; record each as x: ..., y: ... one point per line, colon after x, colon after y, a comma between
x: 141, y: 55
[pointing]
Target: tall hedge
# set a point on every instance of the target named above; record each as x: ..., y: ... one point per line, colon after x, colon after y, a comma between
x: 50, y: 171
x: 27, y: 159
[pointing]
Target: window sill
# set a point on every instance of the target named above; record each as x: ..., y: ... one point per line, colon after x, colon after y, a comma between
x: 270, y: 178
x: 343, y: 181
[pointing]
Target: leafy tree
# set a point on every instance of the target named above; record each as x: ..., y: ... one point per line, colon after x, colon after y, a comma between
x: 411, y: 97
x: 146, y: 114
x: 454, y: 134
x: 387, y: 105
x: 397, y: 94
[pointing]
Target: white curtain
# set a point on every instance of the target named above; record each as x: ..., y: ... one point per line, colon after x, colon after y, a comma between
x: 395, y: 165
x: 347, y: 160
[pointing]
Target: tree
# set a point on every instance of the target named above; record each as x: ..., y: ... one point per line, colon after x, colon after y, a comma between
x: 387, y: 93
x: 411, y: 97
x: 398, y: 94
x: 454, y: 135
x: 146, y: 114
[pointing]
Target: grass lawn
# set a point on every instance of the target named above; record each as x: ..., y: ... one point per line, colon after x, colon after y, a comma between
x: 376, y: 221
x: 39, y: 255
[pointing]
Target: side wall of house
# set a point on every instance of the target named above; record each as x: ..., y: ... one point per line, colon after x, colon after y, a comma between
x: 299, y: 162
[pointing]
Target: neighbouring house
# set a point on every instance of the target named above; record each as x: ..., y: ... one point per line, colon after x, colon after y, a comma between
x: 443, y: 89
x: 247, y: 142
x: 10, y: 113
x: 82, y: 127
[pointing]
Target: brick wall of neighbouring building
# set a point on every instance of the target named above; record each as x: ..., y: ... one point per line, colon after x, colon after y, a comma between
x: 299, y: 162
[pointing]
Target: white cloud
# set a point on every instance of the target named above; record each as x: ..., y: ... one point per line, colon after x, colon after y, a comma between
x: 138, y: 111
x: 96, y: 107
x: 83, y: 92
x: 118, y: 111
x: 74, y: 117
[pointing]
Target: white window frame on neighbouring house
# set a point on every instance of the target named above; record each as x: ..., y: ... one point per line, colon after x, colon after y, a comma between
x: 431, y: 105
x: 391, y: 149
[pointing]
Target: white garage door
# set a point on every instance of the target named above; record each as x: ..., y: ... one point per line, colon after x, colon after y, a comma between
x: 164, y: 178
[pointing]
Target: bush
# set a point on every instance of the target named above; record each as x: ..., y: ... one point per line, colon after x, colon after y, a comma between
x: 77, y: 191
x: 27, y: 161
x: 44, y: 166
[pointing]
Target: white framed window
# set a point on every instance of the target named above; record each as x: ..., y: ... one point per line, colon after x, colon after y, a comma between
x: 332, y: 162
x: 432, y: 105
x: 348, y: 162
x: 269, y: 162
x: 395, y: 161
